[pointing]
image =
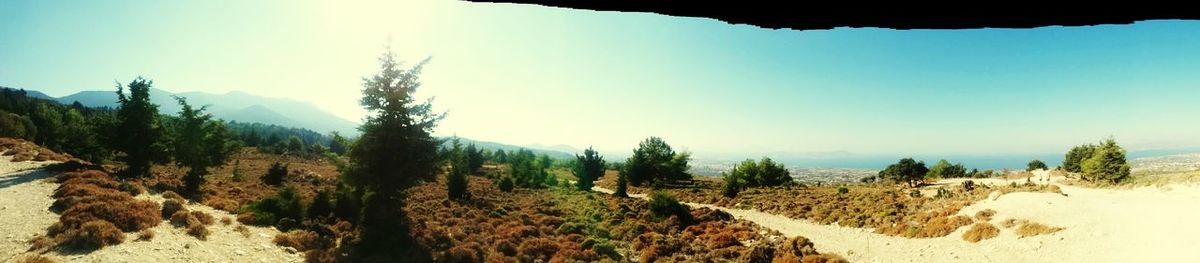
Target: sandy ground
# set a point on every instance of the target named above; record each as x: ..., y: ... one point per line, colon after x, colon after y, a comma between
x: 25, y: 199
x: 1150, y: 224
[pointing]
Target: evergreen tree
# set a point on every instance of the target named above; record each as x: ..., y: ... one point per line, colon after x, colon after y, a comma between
x: 474, y: 158
x: 589, y: 167
x: 394, y: 152
x: 140, y: 133
x: 200, y: 143
x: 1106, y: 164
x: 907, y: 171
x: 1074, y: 159
x: 1035, y: 165
x: 500, y: 156
x: 456, y: 180
x: 622, y: 183
x: 655, y: 162
x: 339, y: 144
x: 320, y: 206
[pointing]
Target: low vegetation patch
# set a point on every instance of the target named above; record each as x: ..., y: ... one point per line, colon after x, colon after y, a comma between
x: 1029, y: 229
x: 95, y: 212
x: 980, y: 231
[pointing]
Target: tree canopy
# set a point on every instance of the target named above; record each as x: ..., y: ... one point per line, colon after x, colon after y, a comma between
x: 655, y: 162
x: 140, y: 133
x: 588, y: 168
x: 906, y: 170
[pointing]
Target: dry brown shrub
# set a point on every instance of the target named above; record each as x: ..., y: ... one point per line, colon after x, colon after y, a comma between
x: 203, y: 218
x: 242, y: 230
x: 795, y: 248
x: 127, y: 215
x: 93, y: 235
x: 226, y: 220
x: 538, y: 249
x: 170, y: 206
x: 35, y: 258
x: 172, y: 195
x: 246, y: 218
x: 1011, y: 222
x: 182, y: 218
x: 301, y: 240
x: 980, y: 231
x: 823, y: 258
x: 41, y: 242
x: 145, y: 235
x: 985, y: 215
x: 1033, y: 229
x: 944, y: 225
x: 722, y: 240
x: 198, y: 231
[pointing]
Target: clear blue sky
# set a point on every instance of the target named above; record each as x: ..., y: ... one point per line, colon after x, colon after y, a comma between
x: 525, y: 74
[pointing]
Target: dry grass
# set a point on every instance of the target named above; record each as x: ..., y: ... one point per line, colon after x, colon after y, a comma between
x: 34, y: 258
x: 980, y: 231
x: 198, y: 231
x: 23, y: 150
x: 301, y: 240
x: 985, y: 215
x: 145, y: 235
x: 242, y: 229
x: 1033, y: 229
x: 203, y: 218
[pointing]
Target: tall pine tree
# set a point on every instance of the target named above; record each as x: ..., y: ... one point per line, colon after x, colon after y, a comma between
x: 140, y: 133
x: 394, y: 152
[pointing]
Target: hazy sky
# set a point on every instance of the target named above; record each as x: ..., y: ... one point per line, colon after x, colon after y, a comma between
x: 524, y: 74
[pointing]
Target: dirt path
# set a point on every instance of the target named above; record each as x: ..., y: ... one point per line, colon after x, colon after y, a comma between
x: 25, y: 199
x: 1101, y: 225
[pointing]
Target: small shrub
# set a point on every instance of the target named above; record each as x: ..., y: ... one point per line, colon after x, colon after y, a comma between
x: 980, y: 231
x: 181, y: 218
x: 985, y: 215
x: 276, y: 174
x: 145, y: 235
x: 35, y: 258
x: 203, y: 218
x: 1033, y: 229
x: 536, y: 249
x: 172, y: 195
x: 226, y: 220
x: 663, y: 206
x: 968, y: 185
x: 506, y: 184
x: 94, y: 235
x: 170, y: 206
x: 241, y: 229
x: 132, y: 189
x: 128, y: 216
x: 843, y: 190
x: 301, y: 240
x: 198, y: 231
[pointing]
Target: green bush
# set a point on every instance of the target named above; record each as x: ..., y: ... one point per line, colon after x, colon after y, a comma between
x: 1107, y: 163
x: 1035, y: 165
x: 843, y: 190
x: 271, y: 210
x: 276, y: 174
x: 506, y: 184
x: 663, y: 205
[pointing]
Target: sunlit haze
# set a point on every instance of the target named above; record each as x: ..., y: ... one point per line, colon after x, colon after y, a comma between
x: 524, y: 75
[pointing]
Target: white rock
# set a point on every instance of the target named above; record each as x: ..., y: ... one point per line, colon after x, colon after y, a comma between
x: 994, y: 195
x: 290, y: 250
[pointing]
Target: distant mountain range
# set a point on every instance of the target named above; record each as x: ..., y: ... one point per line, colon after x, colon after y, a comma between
x: 231, y: 106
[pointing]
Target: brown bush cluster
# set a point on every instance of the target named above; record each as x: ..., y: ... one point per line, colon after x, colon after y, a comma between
x: 980, y: 231
x: 22, y: 150
x: 95, y: 212
x: 224, y: 193
x: 552, y: 225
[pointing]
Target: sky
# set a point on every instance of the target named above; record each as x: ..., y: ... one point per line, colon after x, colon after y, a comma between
x: 522, y: 74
